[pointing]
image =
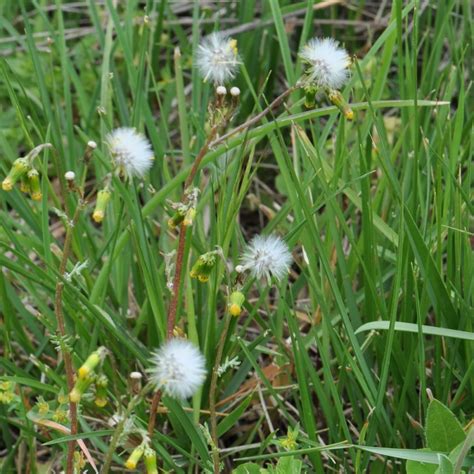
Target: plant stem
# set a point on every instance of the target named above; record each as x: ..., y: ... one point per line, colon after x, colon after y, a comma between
x: 153, y: 409
x: 58, y: 310
x: 171, y: 318
x: 212, y: 393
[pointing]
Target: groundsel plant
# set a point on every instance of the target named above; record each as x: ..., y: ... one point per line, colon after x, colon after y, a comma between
x: 217, y: 59
x: 131, y: 152
x: 266, y: 256
x: 178, y: 368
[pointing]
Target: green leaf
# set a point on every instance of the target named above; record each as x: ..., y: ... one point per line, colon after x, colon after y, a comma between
x: 232, y: 417
x: 247, y: 468
x: 443, y: 430
x: 445, y: 465
x: 417, y: 467
x: 410, y: 327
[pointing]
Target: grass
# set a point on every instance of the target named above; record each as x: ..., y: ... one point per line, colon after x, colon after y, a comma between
x: 375, y: 317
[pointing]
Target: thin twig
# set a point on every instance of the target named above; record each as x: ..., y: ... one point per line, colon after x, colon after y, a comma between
x: 153, y: 409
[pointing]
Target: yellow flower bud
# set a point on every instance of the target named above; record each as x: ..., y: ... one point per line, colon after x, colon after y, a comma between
x: 24, y: 185
x: 134, y: 458
x: 150, y: 461
x: 189, y: 217
x: 19, y: 168
x: 309, y: 98
x: 103, y: 198
x: 101, y: 391
x: 203, y: 267
x: 176, y: 219
x: 80, y: 387
x: 236, y: 300
x: 34, y: 185
x: 233, y: 45
x: 91, y: 363
x: 338, y: 100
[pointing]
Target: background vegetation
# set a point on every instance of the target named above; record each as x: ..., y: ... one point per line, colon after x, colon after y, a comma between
x: 375, y: 318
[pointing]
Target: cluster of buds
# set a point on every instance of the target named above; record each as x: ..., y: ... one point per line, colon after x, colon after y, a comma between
x: 22, y: 171
x: 7, y: 394
x: 203, y: 266
x: 236, y: 301
x: 86, y: 376
x: 334, y: 96
x: 28, y: 177
x: 222, y: 109
x: 184, y: 212
x: 221, y: 96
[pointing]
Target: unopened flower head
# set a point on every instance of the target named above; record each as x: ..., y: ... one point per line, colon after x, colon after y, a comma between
x: 131, y: 151
x: 326, y: 63
x: 217, y: 58
x: 179, y: 368
x: 266, y: 256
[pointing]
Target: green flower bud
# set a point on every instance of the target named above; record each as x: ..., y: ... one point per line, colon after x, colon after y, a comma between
x: 80, y: 387
x: 43, y: 406
x: 103, y: 198
x: 150, y: 461
x: 176, y: 219
x: 236, y: 300
x: 24, y: 185
x: 310, y: 97
x: 101, y: 391
x: 60, y: 415
x: 34, y: 185
x: 338, y: 100
x: 18, y: 169
x: 6, y: 397
x: 91, y: 363
x: 134, y: 458
x: 203, y: 267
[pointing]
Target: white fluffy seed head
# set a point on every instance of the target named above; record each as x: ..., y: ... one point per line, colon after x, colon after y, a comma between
x: 179, y: 368
x: 326, y: 63
x: 92, y: 144
x: 235, y: 92
x: 221, y: 90
x: 131, y: 151
x: 70, y: 175
x: 266, y: 256
x: 217, y: 58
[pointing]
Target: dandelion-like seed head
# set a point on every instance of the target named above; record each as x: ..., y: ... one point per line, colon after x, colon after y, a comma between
x: 217, y: 58
x: 266, y: 256
x: 131, y: 151
x: 326, y: 63
x: 179, y: 368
